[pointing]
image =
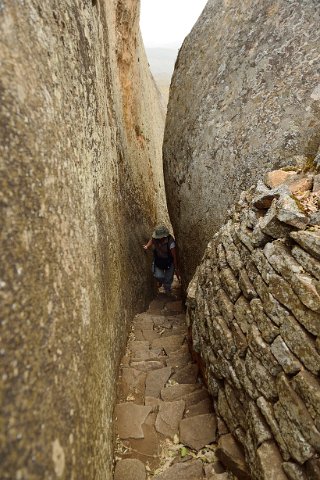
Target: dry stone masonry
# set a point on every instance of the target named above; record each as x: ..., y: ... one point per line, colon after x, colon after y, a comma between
x: 254, y: 311
x: 244, y: 99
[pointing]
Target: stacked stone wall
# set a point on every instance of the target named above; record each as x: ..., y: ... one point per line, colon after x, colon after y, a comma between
x: 254, y: 312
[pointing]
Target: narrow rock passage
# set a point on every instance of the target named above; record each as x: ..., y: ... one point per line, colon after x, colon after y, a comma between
x: 164, y: 418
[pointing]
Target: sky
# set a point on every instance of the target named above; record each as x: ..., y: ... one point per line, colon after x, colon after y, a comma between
x: 166, y: 23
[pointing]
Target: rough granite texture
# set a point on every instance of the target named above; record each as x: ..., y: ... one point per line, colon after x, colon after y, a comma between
x: 245, y: 98
x: 254, y: 312
x: 80, y: 162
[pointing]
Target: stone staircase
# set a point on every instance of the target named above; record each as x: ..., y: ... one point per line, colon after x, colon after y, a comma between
x: 164, y: 418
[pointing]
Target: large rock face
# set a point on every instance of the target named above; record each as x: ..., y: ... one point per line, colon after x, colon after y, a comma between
x: 81, y: 180
x: 244, y: 97
x: 254, y: 309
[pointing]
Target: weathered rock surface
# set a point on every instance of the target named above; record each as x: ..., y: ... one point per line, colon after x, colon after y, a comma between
x: 81, y: 188
x: 260, y: 347
x: 225, y: 126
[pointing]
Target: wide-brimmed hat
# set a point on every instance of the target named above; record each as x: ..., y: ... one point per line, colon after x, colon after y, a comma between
x: 160, y: 232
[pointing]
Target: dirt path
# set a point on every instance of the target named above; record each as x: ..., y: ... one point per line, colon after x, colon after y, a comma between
x: 165, y: 423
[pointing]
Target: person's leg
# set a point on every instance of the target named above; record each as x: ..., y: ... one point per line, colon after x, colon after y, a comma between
x: 158, y: 274
x: 168, y: 279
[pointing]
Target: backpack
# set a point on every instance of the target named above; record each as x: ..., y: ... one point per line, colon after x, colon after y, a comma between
x: 163, y: 258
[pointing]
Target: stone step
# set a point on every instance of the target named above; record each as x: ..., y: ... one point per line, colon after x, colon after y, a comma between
x: 192, y: 470
x: 198, y: 431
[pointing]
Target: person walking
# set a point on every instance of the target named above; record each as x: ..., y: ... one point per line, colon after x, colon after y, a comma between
x: 165, y: 262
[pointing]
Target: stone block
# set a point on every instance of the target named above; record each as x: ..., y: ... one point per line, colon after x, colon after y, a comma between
x: 300, y: 184
x: 232, y: 254
x: 156, y: 380
x: 285, y: 357
x: 225, y: 305
x: 269, y: 462
x: 299, y: 449
x: 243, y: 314
x: 271, y: 225
x: 267, y: 328
x: 236, y: 407
x: 198, y: 431
x: 239, y: 339
x: 231, y: 454
x: 309, y: 240
x: 300, y: 343
x: 308, y: 262
x: 230, y: 283
x: 267, y: 411
x: 297, y: 412
x: 223, y: 409
x: 262, y: 351
x: 283, y: 292
x: 260, y: 377
x: 246, y: 286
x: 264, y: 267
x: 257, y: 425
x: 290, y: 213
x: 303, y: 285
x: 169, y: 416
x: 308, y: 387
x: 241, y: 372
x: 129, y: 419
x: 271, y: 306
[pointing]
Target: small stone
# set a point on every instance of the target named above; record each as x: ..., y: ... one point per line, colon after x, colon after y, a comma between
x: 294, y: 471
x: 130, y: 469
x: 230, y: 283
x: 225, y: 305
x: 231, y: 455
x: 198, y: 431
